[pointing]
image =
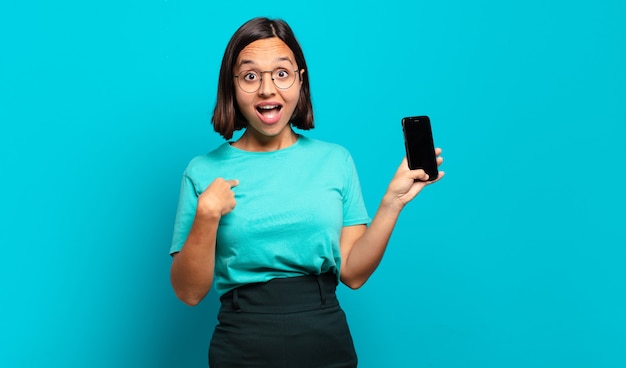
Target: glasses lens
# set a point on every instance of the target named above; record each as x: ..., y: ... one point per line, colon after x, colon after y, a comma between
x: 249, y: 81
x: 283, y: 78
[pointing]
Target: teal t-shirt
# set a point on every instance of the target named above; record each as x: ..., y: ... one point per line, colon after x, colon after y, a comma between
x: 291, y: 207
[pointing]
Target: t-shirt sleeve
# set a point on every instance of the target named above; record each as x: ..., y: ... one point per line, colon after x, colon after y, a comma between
x: 354, y: 210
x: 185, y: 214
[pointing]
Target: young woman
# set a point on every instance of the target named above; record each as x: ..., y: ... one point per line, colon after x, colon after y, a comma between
x: 274, y: 219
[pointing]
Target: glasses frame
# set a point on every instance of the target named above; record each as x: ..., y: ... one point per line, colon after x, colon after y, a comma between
x: 271, y: 77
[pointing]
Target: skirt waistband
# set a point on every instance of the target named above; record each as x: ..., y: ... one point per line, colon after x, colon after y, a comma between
x: 283, y: 295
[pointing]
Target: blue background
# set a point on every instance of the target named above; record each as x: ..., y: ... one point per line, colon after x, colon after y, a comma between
x: 516, y: 259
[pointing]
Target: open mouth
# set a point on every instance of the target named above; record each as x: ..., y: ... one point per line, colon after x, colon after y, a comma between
x: 269, y: 113
x: 268, y: 109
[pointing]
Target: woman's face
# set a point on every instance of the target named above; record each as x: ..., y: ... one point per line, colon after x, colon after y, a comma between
x: 268, y: 110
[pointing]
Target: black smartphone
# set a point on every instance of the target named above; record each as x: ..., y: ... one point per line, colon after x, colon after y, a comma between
x: 419, y: 144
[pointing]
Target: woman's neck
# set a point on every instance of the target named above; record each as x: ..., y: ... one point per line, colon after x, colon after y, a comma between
x: 259, y: 143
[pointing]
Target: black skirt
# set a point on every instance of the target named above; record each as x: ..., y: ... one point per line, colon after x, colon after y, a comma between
x: 292, y: 322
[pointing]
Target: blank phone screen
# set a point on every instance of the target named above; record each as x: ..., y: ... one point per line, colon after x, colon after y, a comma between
x: 420, y: 148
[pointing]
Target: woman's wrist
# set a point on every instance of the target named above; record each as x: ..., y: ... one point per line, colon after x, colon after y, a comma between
x: 207, y: 213
x: 392, y: 203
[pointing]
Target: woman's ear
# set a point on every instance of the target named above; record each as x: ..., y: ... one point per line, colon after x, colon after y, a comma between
x: 301, y: 75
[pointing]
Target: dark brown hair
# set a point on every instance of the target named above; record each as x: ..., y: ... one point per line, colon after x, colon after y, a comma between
x: 226, y: 116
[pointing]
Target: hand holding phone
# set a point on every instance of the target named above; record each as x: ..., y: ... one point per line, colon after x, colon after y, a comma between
x: 419, y: 144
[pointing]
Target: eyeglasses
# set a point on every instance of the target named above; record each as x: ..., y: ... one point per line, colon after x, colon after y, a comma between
x: 250, y: 80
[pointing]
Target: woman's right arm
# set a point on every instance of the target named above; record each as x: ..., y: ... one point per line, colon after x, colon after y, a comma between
x: 192, y: 269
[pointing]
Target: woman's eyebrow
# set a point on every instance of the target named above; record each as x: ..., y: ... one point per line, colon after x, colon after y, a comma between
x: 245, y: 61
x: 283, y: 58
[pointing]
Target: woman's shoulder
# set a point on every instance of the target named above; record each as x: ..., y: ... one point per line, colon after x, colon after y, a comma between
x: 207, y: 160
x: 323, y: 146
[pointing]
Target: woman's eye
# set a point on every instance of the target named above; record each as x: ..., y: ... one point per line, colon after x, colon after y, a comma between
x: 250, y: 77
x: 281, y: 74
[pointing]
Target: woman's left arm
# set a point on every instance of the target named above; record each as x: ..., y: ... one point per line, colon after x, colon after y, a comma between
x: 362, y: 247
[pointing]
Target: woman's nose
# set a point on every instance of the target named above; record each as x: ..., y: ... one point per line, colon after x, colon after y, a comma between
x: 267, y: 85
